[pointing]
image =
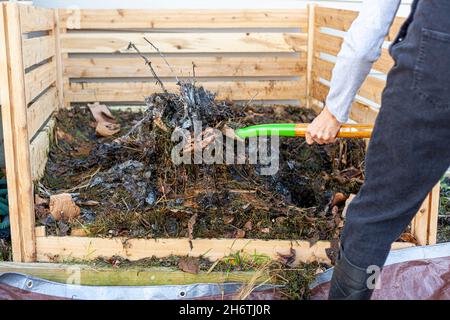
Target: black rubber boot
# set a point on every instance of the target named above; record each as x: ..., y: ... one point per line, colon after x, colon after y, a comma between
x: 349, y: 282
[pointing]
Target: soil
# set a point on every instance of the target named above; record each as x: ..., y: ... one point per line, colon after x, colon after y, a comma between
x: 141, y: 193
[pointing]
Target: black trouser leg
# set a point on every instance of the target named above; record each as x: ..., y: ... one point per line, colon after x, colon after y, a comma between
x: 409, y: 151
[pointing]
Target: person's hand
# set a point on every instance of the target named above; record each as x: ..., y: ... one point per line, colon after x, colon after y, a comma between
x: 323, y: 129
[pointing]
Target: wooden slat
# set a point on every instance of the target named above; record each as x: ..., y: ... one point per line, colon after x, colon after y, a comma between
x: 39, y: 112
x: 359, y: 112
x: 136, y: 91
x: 310, y: 51
x: 14, y: 118
x: 39, y: 79
x: 38, y: 49
x: 424, y: 224
x: 49, y: 248
x: 218, y: 66
x: 129, y: 276
x: 371, y: 89
x: 332, y: 45
x: 146, y: 19
x: 94, y: 42
x: 39, y: 148
x: 35, y: 19
x: 340, y: 19
x: 58, y: 60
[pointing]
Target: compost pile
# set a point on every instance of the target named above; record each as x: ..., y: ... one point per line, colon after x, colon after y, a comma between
x: 127, y: 185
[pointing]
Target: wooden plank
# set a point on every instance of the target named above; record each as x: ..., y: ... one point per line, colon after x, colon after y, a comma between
x: 38, y: 49
x: 310, y: 51
x: 332, y: 45
x: 51, y: 248
x: 39, y: 112
x: 434, y: 214
x: 359, y: 112
x: 56, y: 33
x: 371, y: 89
x: 39, y: 148
x: 235, y: 90
x: 94, y: 42
x: 215, y: 66
x: 39, y: 79
x: 35, y: 19
x: 14, y: 114
x: 186, y: 18
x: 90, y: 275
x: 424, y: 224
x: 340, y: 19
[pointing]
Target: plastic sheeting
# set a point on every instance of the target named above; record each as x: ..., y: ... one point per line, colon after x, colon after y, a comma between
x: 418, y: 273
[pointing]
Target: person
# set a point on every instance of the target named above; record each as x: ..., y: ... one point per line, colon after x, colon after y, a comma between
x: 408, y: 152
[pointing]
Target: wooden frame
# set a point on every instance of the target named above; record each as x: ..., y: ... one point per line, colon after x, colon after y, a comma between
x: 52, y: 69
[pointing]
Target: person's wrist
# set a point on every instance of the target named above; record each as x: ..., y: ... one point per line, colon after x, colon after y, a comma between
x: 331, y: 116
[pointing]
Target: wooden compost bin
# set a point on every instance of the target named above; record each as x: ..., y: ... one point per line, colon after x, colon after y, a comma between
x: 53, y: 58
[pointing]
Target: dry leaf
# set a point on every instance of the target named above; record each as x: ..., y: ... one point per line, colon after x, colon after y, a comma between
x: 265, y: 230
x: 101, y: 113
x: 106, y: 129
x: 248, y: 225
x: 228, y: 219
x: 106, y: 123
x: 347, y: 203
x: 39, y: 200
x: 280, y: 220
x: 88, y: 203
x: 239, y: 234
x: 338, y: 198
x: 189, y: 265
x: 287, y: 259
x: 191, y: 224
x: 64, y: 136
x: 79, y: 233
x: 408, y: 237
x: 62, y: 207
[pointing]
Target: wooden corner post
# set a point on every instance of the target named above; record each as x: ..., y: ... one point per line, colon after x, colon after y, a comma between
x: 310, y: 52
x: 17, y: 153
x: 424, y: 224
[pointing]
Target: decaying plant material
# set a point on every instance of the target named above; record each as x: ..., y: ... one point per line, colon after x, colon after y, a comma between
x: 138, y: 191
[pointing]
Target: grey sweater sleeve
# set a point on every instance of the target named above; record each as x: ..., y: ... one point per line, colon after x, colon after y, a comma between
x: 361, y: 48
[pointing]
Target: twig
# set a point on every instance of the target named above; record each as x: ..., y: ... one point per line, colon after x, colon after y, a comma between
x: 163, y: 57
x: 193, y: 70
x: 149, y: 63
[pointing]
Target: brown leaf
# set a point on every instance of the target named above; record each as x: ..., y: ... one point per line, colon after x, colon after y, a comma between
x: 191, y: 224
x: 239, y: 234
x: 101, y: 113
x: 408, y: 237
x: 106, y: 129
x: 189, y: 265
x: 228, y: 219
x: 280, y: 220
x: 62, y: 207
x: 347, y: 203
x: 41, y: 211
x: 88, y: 203
x: 265, y: 230
x: 248, y: 225
x: 64, y: 136
x: 287, y: 259
x: 39, y: 200
x: 79, y: 233
x: 338, y: 198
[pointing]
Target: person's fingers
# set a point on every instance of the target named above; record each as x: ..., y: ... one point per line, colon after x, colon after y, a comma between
x: 309, y: 139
